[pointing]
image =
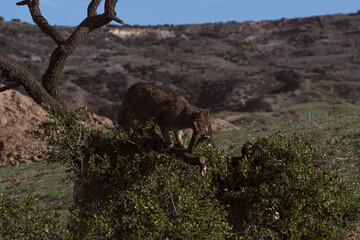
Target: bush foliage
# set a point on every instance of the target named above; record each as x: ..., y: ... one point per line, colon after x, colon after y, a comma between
x: 126, y: 187
x: 22, y: 219
x: 280, y: 194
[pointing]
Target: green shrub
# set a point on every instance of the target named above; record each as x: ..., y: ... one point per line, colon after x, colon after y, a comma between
x: 279, y: 194
x: 126, y: 187
x: 129, y: 189
x: 21, y: 219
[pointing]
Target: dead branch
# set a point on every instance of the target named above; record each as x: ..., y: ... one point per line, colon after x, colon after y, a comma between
x: 42, y: 23
x: 188, y: 154
x: 51, y: 78
x: 10, y: 86
x: 22, y: 3
x: 19, y: 75
x: 93, y: 6
x: 193, y: 142
x: 190, y: 158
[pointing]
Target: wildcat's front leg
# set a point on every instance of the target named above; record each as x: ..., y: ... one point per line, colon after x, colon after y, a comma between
x: 179, y: 138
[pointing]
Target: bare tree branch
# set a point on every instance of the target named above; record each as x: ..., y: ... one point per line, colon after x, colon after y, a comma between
x: 118, y: 20
x: 10, y: 86
x: 50, y: 80
x: 110, y: 7
x: 43, y: 24
x: 22, y: 3
x: 93, y: 7
x: 190, y: 159
x: 20, y: 75
x: 110, y: 10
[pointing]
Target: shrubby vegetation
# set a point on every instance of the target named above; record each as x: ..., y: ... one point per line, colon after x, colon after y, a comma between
x: 22, y: 219
x: 280, y: 194
x: 128, y: 188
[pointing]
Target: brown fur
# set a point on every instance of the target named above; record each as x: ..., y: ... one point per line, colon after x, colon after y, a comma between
x: 144, y: 101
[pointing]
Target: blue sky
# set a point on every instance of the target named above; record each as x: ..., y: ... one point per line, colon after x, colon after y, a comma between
x: 153, y: 12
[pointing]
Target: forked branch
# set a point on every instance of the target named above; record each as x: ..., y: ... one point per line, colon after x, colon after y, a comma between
x: 50, y: 80
x: 48, y: 91
x: 93, y: 7
x: 43, y: 24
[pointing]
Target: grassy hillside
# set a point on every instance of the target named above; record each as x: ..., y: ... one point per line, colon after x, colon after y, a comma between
x: 337, y: 136
x: 49, y: 181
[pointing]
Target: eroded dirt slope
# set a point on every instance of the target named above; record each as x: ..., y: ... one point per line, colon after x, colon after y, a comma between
x: 19, y: 115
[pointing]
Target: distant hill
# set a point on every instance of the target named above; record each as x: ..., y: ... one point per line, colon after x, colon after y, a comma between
x: 262, y: 66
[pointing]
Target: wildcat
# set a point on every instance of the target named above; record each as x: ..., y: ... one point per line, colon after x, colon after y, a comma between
x: 144, y: 101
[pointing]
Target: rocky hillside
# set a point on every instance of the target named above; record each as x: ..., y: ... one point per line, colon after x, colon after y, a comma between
x: 252, y: 66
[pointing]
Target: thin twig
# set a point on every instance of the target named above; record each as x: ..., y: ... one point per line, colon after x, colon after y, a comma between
x: 118, y: 20
x: 172, y: 202
x: 22, y: 3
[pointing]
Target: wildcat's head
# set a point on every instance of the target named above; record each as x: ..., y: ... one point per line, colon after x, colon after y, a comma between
x: 202, y: 121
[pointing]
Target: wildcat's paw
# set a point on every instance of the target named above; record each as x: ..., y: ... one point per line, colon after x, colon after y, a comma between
x: 169, y: 144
